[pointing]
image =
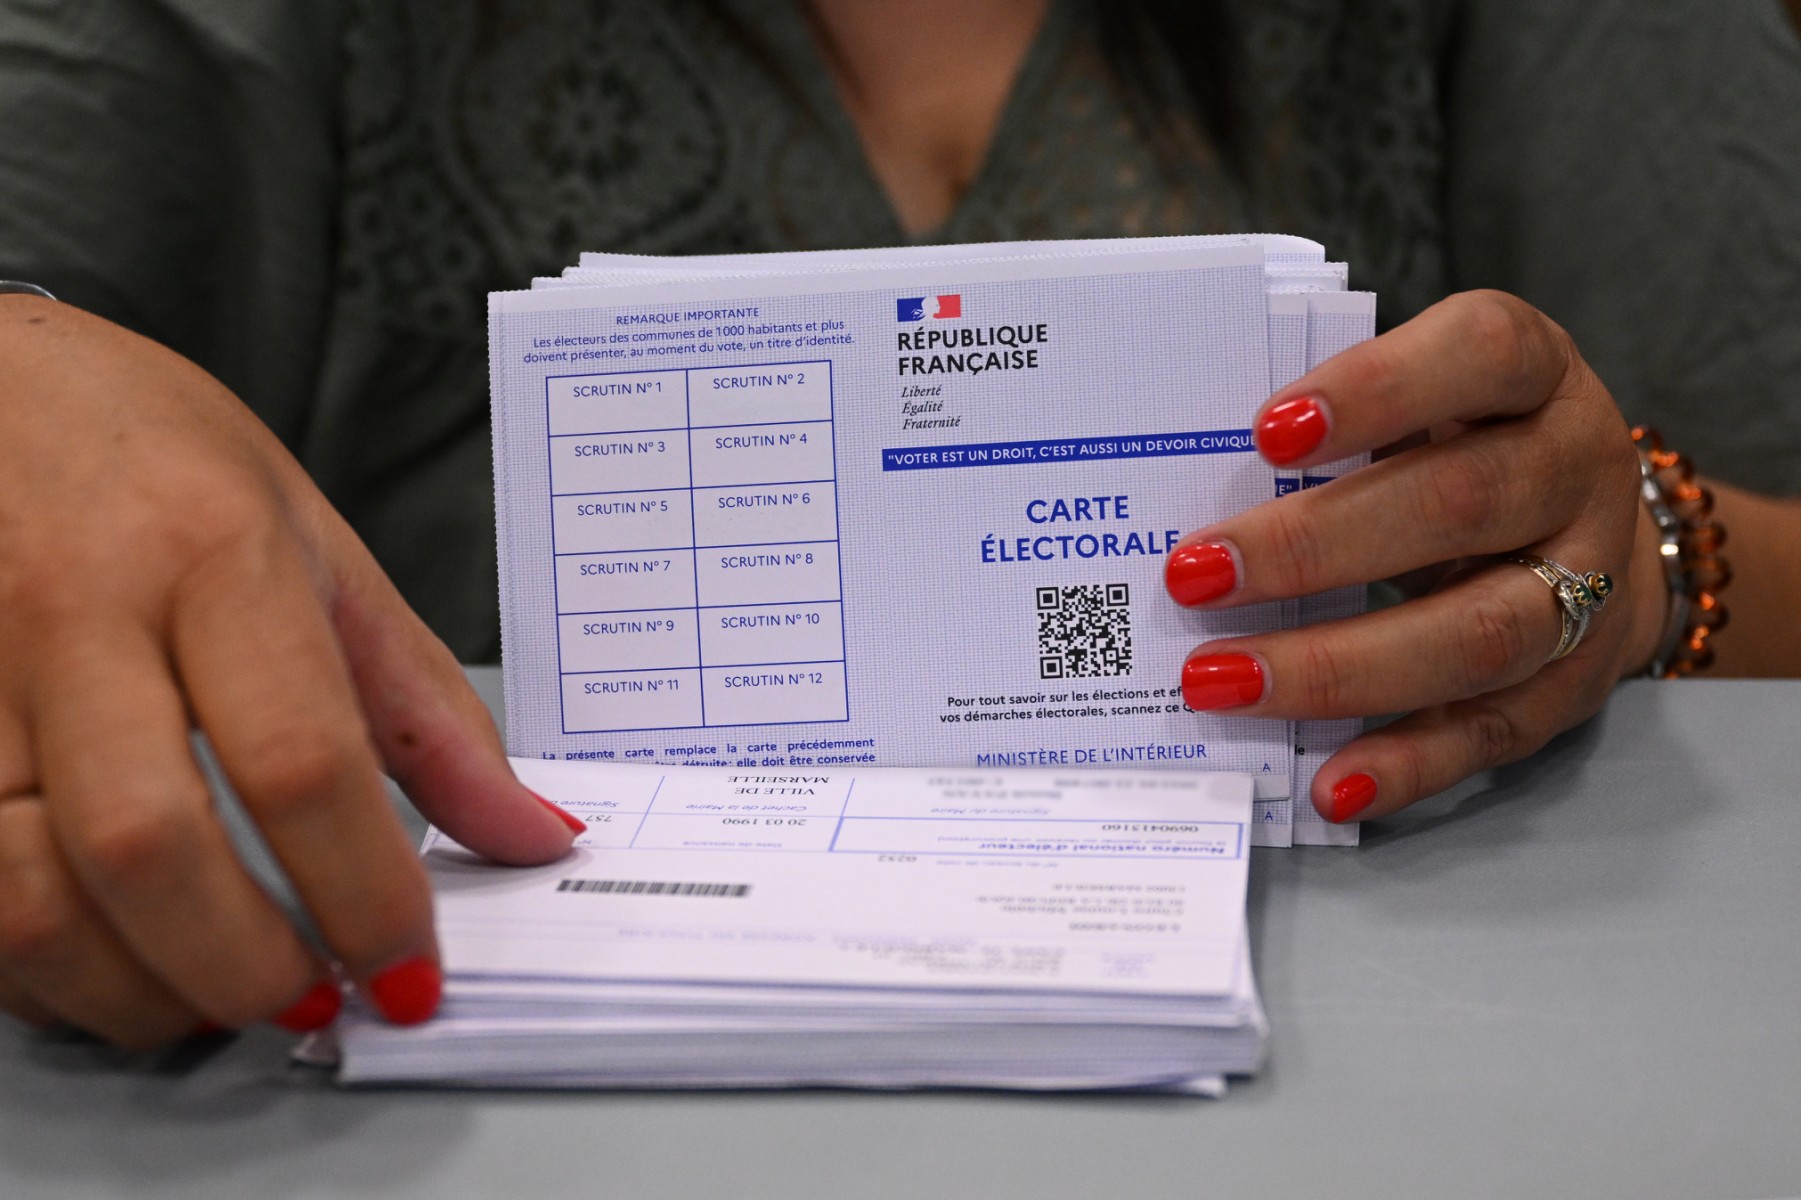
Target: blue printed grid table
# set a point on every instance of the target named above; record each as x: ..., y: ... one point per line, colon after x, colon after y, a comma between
x: 694, y: 518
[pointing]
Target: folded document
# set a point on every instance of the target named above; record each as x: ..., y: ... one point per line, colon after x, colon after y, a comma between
x: 871, y: 927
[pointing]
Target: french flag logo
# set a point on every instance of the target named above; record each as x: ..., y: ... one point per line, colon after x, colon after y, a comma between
x: 918, y: 308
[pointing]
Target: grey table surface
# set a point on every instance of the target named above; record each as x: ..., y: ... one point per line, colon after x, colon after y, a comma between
x: 1577, y: 977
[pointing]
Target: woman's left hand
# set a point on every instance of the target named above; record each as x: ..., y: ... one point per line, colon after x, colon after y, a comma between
x: 1521, y: 449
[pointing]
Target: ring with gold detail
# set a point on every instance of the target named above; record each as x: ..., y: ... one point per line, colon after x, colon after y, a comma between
x: 1579, y: 597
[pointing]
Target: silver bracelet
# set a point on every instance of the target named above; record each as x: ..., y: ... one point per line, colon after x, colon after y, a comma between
x: 1669, y: 553
x: 15, y: 287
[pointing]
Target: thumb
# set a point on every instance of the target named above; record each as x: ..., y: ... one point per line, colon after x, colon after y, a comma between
x: 432, y: 730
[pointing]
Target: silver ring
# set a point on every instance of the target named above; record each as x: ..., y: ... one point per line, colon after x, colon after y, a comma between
x: 1579, y: 597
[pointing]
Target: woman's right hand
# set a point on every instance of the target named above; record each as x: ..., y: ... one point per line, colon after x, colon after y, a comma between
x: 1517, y: 447
x: 165, y: 564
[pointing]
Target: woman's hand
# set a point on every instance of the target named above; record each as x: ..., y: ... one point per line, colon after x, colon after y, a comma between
x: 1523, y: 450
x: 163, y: 564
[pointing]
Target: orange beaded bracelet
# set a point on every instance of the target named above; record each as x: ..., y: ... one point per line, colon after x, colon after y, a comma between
x: 1689, y: 544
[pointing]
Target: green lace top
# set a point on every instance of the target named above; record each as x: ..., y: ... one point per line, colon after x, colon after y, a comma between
x: 313, y: 198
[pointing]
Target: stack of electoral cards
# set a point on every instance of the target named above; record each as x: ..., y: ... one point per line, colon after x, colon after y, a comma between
x: 877, y: 927
x: 731, y: 488
x: 803, y: 558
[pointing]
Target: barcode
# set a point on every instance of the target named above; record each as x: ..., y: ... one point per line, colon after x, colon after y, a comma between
x: 1084, y: 631
x: 643, y: 887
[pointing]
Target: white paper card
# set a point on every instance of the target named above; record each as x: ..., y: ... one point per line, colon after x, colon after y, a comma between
x: 1080, y: 881
x: 906, y: 516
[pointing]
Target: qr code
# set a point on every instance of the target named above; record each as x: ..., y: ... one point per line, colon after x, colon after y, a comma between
x: 1085, y: 631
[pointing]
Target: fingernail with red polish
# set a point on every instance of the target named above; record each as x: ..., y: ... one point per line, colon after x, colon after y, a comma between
x: 408, y: 993
x: 1215, y: 681
x: 1199, y: 573
x: 1292, y: 430
x: 1350, y: 796
x: 575, y: 824
x: 317, y: 1009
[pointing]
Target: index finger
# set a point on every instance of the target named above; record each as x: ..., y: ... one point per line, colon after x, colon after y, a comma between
x: 1471, y: 357
x: 268, y: 683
